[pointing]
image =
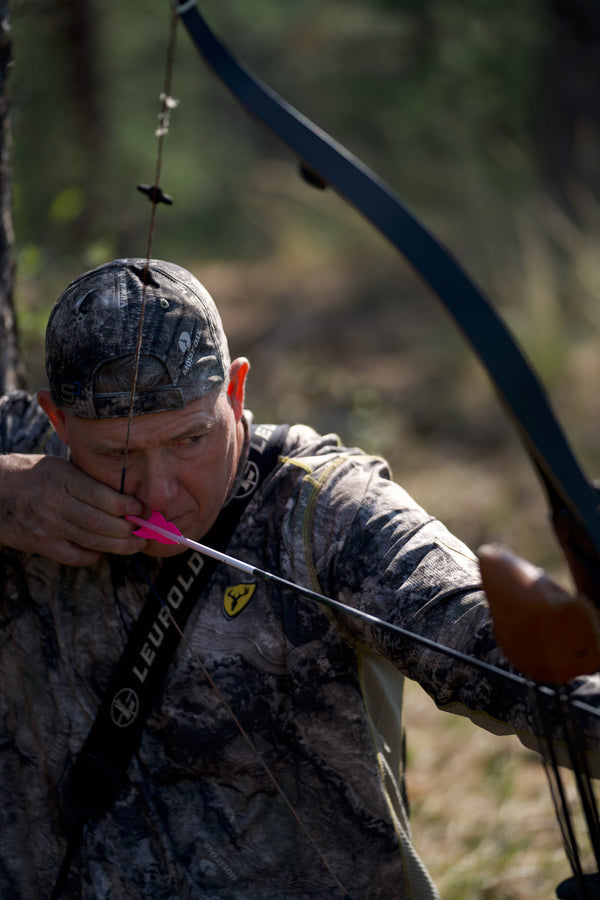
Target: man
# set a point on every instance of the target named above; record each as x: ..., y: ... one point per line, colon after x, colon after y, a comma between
x: 270, y: 764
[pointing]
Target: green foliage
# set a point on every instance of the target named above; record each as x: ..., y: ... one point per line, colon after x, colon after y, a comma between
x: 420, y: 90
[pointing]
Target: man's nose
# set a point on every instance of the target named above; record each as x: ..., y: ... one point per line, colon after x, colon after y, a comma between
x: 157, y: 484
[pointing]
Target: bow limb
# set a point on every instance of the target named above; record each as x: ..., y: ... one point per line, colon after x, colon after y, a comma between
x: 572, y: 498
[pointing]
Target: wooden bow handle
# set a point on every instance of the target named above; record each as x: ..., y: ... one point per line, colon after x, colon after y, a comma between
x: 545, y: 632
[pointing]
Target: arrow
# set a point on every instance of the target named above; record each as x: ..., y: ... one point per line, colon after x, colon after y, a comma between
x: 157, y: 528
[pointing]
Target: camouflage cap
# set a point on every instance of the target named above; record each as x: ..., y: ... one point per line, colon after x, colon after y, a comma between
x: 96, y: 320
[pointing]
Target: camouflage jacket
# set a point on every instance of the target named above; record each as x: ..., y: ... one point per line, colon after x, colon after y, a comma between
x: 318, y: 695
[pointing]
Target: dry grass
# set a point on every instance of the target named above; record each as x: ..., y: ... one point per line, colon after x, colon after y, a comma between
x: 482, y: 816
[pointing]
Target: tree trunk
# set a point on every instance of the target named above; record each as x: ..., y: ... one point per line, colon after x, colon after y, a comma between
x: 11, y: 372
x: 568, y: 133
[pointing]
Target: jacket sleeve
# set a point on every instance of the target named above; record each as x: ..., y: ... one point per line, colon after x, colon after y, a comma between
x: 24, y: 427
x: 369, y: 544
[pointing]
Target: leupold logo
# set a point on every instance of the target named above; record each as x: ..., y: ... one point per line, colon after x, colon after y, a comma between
x: 249, y: 480
x: 124, y: 707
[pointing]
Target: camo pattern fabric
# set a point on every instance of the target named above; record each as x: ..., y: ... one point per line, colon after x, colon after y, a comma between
x: 316, y: 693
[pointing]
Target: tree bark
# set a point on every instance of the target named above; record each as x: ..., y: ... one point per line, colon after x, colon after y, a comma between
x: 11, y: 372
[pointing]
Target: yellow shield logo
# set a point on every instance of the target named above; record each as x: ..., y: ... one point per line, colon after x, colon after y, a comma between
x: 236, y: 598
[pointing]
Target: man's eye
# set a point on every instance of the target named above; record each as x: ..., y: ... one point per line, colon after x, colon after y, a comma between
x: 188, y: 441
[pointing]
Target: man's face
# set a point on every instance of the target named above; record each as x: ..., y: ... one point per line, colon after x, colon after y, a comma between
x: 181, y: 463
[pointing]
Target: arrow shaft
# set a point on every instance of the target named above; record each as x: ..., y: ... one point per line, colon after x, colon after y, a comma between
x: 338, y: 606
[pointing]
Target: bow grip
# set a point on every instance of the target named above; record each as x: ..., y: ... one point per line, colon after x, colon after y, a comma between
x: 545, y: 632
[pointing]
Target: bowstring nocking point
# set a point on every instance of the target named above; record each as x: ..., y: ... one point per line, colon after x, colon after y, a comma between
x: 155, y: 193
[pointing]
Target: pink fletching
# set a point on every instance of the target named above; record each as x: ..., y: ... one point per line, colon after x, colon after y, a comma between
x: 155, y: 519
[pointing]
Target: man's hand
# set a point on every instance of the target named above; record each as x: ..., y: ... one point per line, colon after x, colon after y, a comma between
x: 50, y: 507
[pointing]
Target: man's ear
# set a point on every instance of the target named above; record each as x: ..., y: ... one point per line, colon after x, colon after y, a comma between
x: 56, y: 415
x: 236, y: 389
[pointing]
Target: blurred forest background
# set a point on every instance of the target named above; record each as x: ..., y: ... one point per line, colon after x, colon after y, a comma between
x: 486, y: 118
